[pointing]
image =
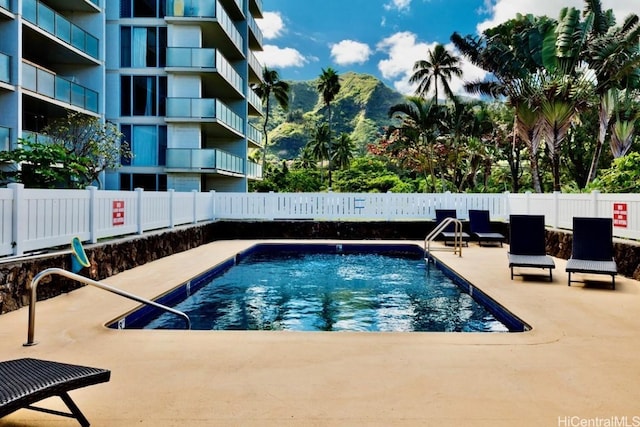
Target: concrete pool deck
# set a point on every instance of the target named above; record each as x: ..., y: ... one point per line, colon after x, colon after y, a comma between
x: 580, y: 363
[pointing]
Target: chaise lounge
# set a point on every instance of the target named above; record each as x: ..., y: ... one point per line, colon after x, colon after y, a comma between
x: 27, y: 381
x: 527, y: 244
x: 592, y: 248
x: 480, y: 226
x: 449, y: 234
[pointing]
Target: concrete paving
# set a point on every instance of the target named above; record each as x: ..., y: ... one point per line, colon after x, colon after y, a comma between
x: 579, y: 364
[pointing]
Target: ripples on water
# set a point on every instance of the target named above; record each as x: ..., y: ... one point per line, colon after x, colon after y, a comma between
x: 332, y: 292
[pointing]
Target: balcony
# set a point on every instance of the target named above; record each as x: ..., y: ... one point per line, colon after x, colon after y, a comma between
x: 254, y: 135
x: 254, y: 170
x: 255, y: 103
x: 57, y: 25
x: 5, y: 137
x: 235, y: 8
x: 5, y: 4
x: 206, y: 10
x: 202, y: 109
x: 256, y: 32
x: 5, y: 68
x: 255, y: 7
x: 205, y: 60
x: 210, y: 160
x: 50, y: 85
x: 255, y: 67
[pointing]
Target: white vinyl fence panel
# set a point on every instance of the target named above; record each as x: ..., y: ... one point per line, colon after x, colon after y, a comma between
x: 34, y: 219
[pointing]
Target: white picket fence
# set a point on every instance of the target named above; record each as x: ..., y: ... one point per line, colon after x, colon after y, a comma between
x: 34, y: 219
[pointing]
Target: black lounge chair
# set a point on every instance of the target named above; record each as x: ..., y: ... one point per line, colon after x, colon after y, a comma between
x: 480, y: 226
x: 27, y: 381
x: 527, y: 244
x: 592, y: 248
x: 449, y: 234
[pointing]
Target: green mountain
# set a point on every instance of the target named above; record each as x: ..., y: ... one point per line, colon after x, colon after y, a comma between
x: 360, y: 109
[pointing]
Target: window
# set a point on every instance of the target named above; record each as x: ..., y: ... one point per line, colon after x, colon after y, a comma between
x: 143, y: 95
x: 148, y: 144
x: 143, y: 47
x: 142, y: 8
x: 147, y: 181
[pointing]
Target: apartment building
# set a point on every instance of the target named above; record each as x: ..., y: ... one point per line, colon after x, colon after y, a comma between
x: 174, y: 75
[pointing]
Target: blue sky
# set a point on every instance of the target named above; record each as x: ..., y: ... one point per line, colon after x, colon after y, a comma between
x: 384, y: 38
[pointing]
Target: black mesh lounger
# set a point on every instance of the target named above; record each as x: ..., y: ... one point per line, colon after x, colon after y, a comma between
x: 527, y: 243
x: 592, y: 248
x: 449, y: 234
x: 480, y: 225
x: 27, y: 381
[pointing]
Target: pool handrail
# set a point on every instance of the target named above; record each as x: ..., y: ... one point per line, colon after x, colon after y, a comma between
x: 59, y: 271
x: 457, y: 241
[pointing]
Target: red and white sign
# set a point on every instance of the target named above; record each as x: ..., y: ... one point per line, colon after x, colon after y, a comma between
x: 620, y: 215
x: 118, y: 212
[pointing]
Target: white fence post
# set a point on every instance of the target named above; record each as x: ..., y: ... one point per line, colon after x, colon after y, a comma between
x: 507, y: 204
x: 19, y: 220
x: 93, y: 214
x: 194, y: 204
x: 212, y: 194
x: 527, y: 196
x: 140, y: 193
x: 594, y: 201
x: 172, y: 219
x: 556, y: 209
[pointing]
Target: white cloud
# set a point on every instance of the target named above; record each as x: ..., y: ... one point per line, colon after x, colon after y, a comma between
x: 277, y: 57
x: 503, y: 10
x: 349, y: 52
x: 403, y: 50
x: 271, y: 25
x: 398, y: 4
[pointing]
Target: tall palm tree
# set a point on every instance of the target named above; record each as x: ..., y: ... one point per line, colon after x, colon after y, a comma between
x: 343, y: 150
x: 437, y: 69
x: 320, y: 143
x: 328, y: 87
x: 270, y: 85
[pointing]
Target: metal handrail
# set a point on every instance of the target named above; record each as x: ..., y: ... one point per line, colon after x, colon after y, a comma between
x: 457, y: 237
x: 59, y: 271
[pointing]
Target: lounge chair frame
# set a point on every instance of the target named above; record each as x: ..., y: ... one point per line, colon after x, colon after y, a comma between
x: 27, y: 381
x: 449, y: 235
x: 480, y: 225
x: 592, y: 249
x: 527, y: 244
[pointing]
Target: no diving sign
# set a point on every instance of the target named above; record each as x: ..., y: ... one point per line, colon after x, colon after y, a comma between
x: 620, y: 215
x: 118, y: 212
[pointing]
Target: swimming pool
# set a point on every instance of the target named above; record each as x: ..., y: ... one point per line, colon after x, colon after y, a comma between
x: 329, y: 287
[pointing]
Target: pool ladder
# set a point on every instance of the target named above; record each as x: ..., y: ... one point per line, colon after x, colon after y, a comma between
x: 457, y: 238
x: 61, y: 272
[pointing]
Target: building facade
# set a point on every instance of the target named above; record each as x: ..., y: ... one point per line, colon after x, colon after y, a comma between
x: 174, y: 75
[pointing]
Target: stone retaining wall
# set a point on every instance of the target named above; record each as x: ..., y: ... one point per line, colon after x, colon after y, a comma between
x: 118, y: 255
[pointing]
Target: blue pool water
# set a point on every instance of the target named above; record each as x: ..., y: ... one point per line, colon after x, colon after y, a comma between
x: 331, y: 288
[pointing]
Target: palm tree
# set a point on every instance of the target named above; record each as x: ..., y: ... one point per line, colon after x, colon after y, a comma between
x: 614, y: 56
x: 343, y: 150
x: 418, y: 131
x: 320, y: 143
x: 270, y: 85
x: 328, y: 87
x: 439, y: 68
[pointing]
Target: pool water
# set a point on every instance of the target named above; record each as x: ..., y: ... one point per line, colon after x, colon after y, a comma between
x: 339, y: 291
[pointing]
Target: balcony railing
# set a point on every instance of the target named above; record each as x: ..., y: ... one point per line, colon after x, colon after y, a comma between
x: 255, y: 65
x: 202, y: 159
x: 253, y: 26
x: 254, y: 134
x: 254, y: 100
x: 204, y: 108
x: 5, y: 137
x: 52, y: 22
x: 5, y: 68
x: 46, y: 83
x: 202, y: 58
x: 254, y: 170
x: 205, y: 9
x: 5, y: 4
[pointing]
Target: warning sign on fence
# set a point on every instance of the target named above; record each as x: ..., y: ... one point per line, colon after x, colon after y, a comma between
x: 118, y: 212
x: 620, y: 215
